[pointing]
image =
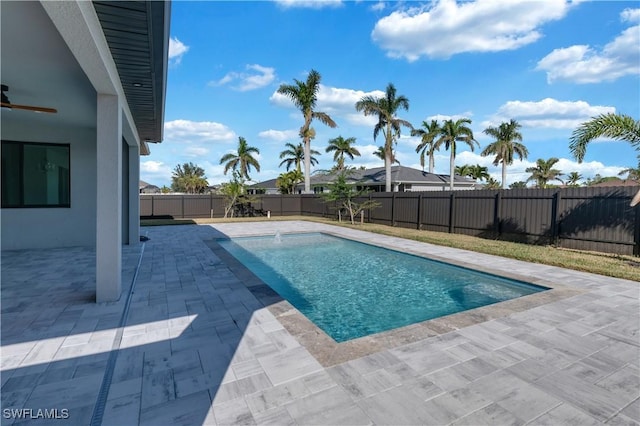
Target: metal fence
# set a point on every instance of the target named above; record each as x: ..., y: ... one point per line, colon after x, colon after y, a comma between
x: 598, y: 219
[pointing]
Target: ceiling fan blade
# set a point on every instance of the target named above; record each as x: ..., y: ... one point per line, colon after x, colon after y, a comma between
x: 29, y: 108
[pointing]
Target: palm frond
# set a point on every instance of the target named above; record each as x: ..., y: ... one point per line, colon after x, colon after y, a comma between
x: 615, y: 126
x: 324, y: 118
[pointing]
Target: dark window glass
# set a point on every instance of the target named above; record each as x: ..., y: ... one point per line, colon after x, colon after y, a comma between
x: 35, y: 175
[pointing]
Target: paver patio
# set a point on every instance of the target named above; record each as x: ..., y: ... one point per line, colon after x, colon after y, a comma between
x: 203, y: 343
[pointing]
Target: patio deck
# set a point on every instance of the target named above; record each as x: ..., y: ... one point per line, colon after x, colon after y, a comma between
x: 204, y: 342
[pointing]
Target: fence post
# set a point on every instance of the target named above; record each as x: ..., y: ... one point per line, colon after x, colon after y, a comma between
x: 452, y: 209
x: 152, y: 212
x: 369, y: 210
x: 419, y: 224
x: 496, y: 213
x: 211, y: 204
x: 182, y: 206
x: 393, y: 209
x: 555, y: 218
x: 281, y: 209
x: 636, y: 233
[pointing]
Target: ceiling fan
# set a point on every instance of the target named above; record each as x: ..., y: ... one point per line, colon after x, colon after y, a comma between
x: 7, y: 104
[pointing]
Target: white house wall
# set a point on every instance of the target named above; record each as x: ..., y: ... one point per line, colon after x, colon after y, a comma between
x: 56, y: 227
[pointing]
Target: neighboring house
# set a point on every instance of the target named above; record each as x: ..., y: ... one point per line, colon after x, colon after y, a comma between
x: 403, y: 179
x: 69, y: 178
x: 147, y: 188
x: 268, y: 187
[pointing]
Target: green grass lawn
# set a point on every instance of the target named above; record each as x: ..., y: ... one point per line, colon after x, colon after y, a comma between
x: 627, y: 267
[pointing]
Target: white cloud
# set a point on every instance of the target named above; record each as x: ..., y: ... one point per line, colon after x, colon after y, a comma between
x: 310, y: 4
x: 360, y: 119
x: 337, y: 102
x: 153, y: 166
x: 195, y: 151
x: 176, y: 50
x: 201, y: 131
x: 279, y: 135
x: 378, y: 7
x: 583, y: 64
x: 214, y: 172
x: 256, y: 77
x: 336, y: 99
x: 547, y: 113
x: 154, y: 171
x: 406, y: 140
x: 446, y: 27
x: 516, y: 171
x: 366, y: 159
x: 630, y: 15
x: 441, y: 117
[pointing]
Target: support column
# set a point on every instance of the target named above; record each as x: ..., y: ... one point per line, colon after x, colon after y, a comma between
x: 109, y: 199
x: 134, y: 194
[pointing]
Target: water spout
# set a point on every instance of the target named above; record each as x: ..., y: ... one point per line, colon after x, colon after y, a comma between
x: 277, y: 238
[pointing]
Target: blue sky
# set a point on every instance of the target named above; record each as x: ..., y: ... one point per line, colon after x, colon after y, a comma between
x: 548, y: 64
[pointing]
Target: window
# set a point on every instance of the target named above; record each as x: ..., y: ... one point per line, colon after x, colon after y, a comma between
x: 35, y: 175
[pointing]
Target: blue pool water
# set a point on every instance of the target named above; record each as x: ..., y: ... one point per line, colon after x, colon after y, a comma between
x: 351, y: 289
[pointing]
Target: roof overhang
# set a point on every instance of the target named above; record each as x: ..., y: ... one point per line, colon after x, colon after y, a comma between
x: 137, y: 33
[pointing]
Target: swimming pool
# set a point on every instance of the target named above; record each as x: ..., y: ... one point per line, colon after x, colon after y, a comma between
x: 351, y: 289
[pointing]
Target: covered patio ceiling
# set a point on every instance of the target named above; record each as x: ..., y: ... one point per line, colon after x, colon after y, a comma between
x: 48, y: 75
x: 138, y: 36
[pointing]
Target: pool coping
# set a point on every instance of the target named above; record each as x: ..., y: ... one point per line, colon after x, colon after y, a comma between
x: 328, y: 352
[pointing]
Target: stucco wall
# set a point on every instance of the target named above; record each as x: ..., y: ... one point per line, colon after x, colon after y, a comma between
x: 56, y: 227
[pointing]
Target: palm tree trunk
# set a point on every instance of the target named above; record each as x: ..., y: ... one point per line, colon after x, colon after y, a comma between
x: 452, y: 167
x: 387, y: 159
x: 387, y: 171
x: 504, y: 174
x: 307, y: 165
x: 431, y: 163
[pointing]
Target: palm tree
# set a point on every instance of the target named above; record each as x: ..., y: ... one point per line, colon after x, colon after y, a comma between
x: 386, y: 108
x: 381, y: 155
x: 242, y: 160
x: 294, y: 156
x: 304, y: 95
x: 341, y: 147
x: 518, y: 184
x: 633, y: 173
x: 492, y: 184
x: 543, y: 172
x: 464, y: 170
x: 189, y: 178
x: 616, y: 126
x: 450, y: 133
x: 476, y: 172
x: 573, y: 178
x: 479, y: 172
x: 427, y: 144
x: 287, y: 182
x: 507, y: 143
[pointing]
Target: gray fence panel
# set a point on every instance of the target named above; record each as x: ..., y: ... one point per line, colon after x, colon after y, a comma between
x: 406, y: 210
x: 384, y: 212
x: 197, y: 206
x: 168, y: 205
x: 435, y: 211
x: 273, y: 204
x: 474, y: 213
x: 291, y: 205
x: 146, y: 205
x: 526, y: 215
x: 313, y: 206
x: 598, y: 219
